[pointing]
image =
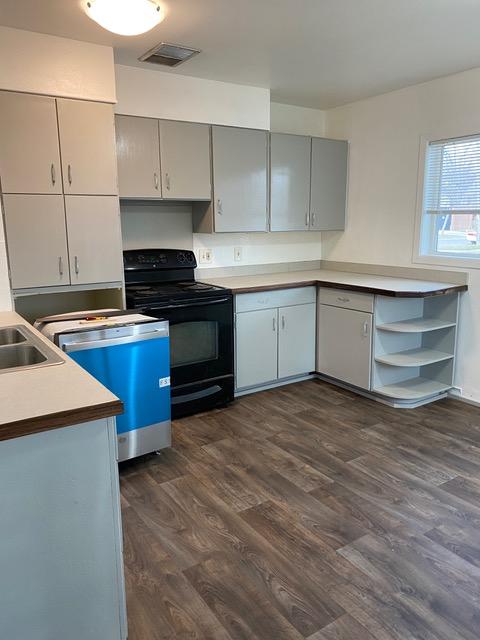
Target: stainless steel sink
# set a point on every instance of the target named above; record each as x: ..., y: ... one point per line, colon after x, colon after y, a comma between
x: 20, y: 349
x: 11, y: 335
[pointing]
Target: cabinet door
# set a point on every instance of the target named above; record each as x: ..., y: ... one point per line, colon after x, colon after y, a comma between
x: 185, y: 160
x: 239, y: 179
x: 256, y: 347
x: 29, y: 152
x: 87, y: 142
x: 296, y: 340
x: 344, y: 345
x: 328, y: 184
x: 36, y: 240
x: 138, y: 157
x: 94, y: 240
x: 290, y: 182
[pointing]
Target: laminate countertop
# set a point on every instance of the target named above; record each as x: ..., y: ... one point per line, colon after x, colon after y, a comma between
x: 382, y: 285
x: 50, y: 397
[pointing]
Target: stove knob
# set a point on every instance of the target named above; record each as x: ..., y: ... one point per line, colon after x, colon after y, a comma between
x: 181, y: 257
x: 190, y: 257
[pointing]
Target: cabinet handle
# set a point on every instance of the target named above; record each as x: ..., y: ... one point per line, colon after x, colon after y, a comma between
x: 60, y: 265
x: 52, y: 173
x: 365, y: 329
x: 77, y: 266
x: 69, y: 173
x: 307, y: 219
x: 167, y: 181
x: 155, y: 180
x: 313, y: 219
x: 283, y: 322
x: 343, y: 299
x: 219, y: 207
x: 274, y: 324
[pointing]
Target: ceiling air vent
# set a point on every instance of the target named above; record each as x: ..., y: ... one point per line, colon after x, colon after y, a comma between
x: 169, y: 54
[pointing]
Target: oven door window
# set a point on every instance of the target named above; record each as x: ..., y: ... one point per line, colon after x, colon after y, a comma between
x: 193, y: 342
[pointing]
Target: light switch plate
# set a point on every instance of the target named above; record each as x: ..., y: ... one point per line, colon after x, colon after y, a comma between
x: 205, y: 256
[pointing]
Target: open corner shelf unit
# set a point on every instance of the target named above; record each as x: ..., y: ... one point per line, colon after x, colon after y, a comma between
x: 414, y: 347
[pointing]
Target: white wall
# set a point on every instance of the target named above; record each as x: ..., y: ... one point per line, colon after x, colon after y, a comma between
x: 39, y: 63
x: 157, y: 94
x: 286, y: 118
x: 384, y: 133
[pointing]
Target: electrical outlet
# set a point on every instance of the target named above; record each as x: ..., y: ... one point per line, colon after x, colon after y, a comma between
x: 205, y: 256
x: 237, y: 254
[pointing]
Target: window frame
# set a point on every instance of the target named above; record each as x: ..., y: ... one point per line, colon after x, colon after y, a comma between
x: 444, y: 258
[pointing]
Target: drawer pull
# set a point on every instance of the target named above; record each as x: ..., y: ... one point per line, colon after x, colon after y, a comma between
x: 343, y: 299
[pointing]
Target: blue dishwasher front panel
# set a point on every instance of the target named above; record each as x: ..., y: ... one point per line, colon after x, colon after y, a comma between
x: 138, y: 373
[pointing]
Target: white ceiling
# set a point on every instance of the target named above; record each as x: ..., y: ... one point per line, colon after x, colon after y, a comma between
x: 315, y: 53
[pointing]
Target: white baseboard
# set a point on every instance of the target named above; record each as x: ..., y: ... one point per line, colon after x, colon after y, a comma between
x: 457, y: 396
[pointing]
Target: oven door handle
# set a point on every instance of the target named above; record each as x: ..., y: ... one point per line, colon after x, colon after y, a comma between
x: 196, y: 395
x: 188, y: 305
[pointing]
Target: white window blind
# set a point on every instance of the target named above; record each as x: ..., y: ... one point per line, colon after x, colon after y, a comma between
x: 452, y: 183
x: 450, y: 224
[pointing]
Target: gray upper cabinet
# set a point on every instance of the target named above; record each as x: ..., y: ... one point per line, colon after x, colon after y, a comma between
x: 290, y: 182
x: 328, y: 184
x: 29, y: 151
x: 87, y: 141
x: 239, y: 179
x: 37, y: 240
x: 185, y: 160
x: 94, y: 239
x: 138, y: 157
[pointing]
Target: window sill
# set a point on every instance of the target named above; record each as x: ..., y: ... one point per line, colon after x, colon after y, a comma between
x: 448, y: 261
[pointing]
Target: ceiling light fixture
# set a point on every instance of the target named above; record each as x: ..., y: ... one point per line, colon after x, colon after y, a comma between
x: 125, y: 17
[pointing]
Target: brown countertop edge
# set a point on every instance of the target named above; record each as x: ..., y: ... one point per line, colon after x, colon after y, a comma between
x: 351, y: 287
x: 47, y: 422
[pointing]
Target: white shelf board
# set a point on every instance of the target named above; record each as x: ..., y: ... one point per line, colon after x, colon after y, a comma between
x: 414, y: 389
x: 416, y: 325
x: 413, y: 357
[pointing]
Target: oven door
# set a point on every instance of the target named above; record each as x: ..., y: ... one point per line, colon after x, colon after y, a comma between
x: 201, y: 339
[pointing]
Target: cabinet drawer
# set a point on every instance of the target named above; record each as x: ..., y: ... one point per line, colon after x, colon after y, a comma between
x: 346, y: 299
x: 271, y: 299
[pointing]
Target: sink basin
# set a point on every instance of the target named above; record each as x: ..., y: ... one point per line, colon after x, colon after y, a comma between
x: 21, y: 349
x: 20, y: 355
x: 11, y: 335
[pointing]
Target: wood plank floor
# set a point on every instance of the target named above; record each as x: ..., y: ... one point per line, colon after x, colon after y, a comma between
x: 307, y: 512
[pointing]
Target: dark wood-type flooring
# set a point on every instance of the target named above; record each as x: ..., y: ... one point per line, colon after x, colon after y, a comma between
x: 308, y: 512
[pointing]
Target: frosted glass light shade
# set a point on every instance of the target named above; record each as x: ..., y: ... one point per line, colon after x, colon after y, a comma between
x: 125, y: 17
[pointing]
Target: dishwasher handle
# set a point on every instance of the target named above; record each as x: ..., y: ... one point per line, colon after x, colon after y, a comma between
x: 112, y: 342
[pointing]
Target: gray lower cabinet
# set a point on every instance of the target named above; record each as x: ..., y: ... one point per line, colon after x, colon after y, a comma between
x: 344, y: 342
x: 256, y: 347
x: 275, y: 335
x: 289, y: 182
x: 138, y: 157
x: 185, y: 160
x: 296, y: 340
x: 36, y: 240
x: 328, y: 190
x: 239, y: 182
x: 61, y: 551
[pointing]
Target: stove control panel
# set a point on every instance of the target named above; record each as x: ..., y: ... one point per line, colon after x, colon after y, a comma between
x: 151, y: 259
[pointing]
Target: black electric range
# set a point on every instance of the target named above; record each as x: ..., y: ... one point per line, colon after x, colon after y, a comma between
x: 161, y: 283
